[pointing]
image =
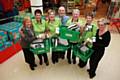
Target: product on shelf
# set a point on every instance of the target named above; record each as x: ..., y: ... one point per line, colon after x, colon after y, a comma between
x: 12, y: 30
x: 20, y: 18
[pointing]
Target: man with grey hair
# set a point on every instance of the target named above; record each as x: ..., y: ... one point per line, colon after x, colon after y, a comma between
x: 62, y: 15
x: 64, y: 19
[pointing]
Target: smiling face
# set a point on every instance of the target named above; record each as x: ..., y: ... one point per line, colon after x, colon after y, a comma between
x: 89, y: 19
x: 27, y: 22
x: 51, y: 16
x: 38, y: 16
x: 75, y: 14
x: 101, y: 25
x: 61, y: 11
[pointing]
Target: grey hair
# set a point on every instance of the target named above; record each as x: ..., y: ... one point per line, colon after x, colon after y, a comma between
x: 76, y: 11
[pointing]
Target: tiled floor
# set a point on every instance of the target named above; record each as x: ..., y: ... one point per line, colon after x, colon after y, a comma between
x: 109, y: 68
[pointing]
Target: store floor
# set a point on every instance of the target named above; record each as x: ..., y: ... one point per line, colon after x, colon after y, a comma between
x: 109, y: 68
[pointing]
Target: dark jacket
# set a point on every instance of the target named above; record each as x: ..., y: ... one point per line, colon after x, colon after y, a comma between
x: 102, y: 41
x: 29, y: 37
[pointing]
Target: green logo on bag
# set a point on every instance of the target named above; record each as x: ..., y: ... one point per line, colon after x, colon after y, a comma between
x: 41, y: 51
x: 69, y: 35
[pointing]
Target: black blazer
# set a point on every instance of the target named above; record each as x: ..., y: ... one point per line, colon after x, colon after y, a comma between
x: 102, y: 41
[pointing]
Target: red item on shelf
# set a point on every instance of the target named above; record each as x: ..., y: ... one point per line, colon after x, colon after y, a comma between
x: 7, y: 5
x: 115, y: 22
x: 27, y: 4
x: 21, y: 8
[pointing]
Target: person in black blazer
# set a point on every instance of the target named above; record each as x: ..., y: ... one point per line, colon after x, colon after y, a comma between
x: 103, y: 38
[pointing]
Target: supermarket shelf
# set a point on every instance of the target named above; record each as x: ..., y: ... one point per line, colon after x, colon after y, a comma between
x: 9, y: 52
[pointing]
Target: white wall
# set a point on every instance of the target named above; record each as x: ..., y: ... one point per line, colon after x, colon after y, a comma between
x: 36, y: 4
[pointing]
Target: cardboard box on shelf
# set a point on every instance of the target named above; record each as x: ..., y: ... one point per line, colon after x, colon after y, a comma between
x: 8, y: 44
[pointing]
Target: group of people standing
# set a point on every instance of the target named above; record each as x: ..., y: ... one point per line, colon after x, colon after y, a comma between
x: 96, y: 37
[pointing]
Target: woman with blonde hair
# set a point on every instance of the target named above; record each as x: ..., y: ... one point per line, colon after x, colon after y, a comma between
x: 27, y: 36
x: 74, y: 20
x: 103, y: 38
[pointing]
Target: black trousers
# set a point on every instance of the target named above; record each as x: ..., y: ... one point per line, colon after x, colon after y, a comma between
x: 61, y: 54
x: 82, y: 63
x: 29, y: 56
x: 69, y: 54
x: 95, y: 59
x: 45, y: 57
x: 54, y: 57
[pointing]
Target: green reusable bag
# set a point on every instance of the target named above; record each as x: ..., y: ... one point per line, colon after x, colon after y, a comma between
x: 71, y: 35
x: 38, y: 50
x: 47, y: 43
x: 38, y: 47
x: 56, y: 46
x: 83, y: 55
x: 60, y: 48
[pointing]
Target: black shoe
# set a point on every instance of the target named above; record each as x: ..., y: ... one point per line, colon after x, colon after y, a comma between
x: 88, y: 70
x: 31, y: 67
x: 92, y: 75
x: 47, y: 63
x: 56, y: 60
x: 81, y: 65
x: 40, y: 62
x: 53, y: 61
x: 35, y: 65
x: 69, y: 61
x: 74, y: 61
x: 63, y: 57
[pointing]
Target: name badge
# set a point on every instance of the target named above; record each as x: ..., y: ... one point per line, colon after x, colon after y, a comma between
x: 100, y: 37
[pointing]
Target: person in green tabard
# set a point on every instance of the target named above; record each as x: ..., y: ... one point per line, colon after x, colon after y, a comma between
x: 38, y: 23
x: 88, y: 35
x: 51, y: 25
x: 64, y: 18
x: 74, y: 20
x: 39, y: 29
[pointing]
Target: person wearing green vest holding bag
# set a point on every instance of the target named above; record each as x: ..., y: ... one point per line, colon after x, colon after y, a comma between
x: 39, y: 29
x: 51, y: 26
x: 64, y: 18
x: 88, y: 36
x: 75, y: 20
